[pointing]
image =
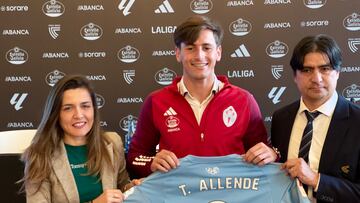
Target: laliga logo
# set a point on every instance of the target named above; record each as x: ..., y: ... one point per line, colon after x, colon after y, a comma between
x: 240, y: 27
x: 91, y: 31
x: 201, y: 6
x: 275, y: 94
x: 17, y: 101
x: 128, y: 54
x: 53, y: 77
x: 126, y: 121
x: 352, y: 93
x: 16, y: 56
x: 100, y: 101
x: 165, y: 76
x: 53, y: 8
x: 125, y: 8
x: 314, y: 4
x: 352, y: 22
x: 277, y: 49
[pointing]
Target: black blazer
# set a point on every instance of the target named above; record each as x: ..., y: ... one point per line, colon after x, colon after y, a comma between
x: 340, y: 158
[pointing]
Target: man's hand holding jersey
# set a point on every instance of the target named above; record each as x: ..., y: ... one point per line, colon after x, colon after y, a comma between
x: 260, y: 154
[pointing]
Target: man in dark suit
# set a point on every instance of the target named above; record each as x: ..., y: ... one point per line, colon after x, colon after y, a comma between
x: 326, y: 157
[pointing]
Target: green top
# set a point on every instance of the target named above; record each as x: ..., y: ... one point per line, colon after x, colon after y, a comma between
x: 88, y: 186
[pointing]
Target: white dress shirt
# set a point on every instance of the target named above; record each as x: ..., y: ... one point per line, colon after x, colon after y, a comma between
x: 320, y: 127
x: 197, y: 107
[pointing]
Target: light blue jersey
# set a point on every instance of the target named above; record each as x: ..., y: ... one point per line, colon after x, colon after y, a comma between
x: 222, y: 179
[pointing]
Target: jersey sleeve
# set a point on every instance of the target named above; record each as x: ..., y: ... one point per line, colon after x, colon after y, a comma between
x: 143, y: 143
x: 256, y: 131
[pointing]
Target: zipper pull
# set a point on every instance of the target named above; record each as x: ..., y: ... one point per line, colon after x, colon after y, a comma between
x: 202, y: 137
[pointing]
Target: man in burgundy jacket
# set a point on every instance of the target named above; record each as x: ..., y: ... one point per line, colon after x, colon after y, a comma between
x: 200, y: 113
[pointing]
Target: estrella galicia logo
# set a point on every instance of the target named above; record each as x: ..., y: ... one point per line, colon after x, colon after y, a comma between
x: 53, y: 77
x: 53, y: 8
x: 17, y: 99
x: 314, y: 4
x: 240, y: 27
x: 352, y: 93
x: 129, y: 119
x: 275, y: 94
x: 16, y: 56
x: 91, y: 31
x: 352, y: 22
x: 125, y: 6
x: 277, y: 49
x: 165, y: 76
x: 128, y: 54
x: 100, y: 101
x: 201, y: 6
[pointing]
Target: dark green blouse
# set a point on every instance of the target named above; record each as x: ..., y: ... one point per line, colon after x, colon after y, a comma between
x: 89, y: 187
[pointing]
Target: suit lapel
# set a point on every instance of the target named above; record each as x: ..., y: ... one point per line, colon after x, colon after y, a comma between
x: 64, y: 174
x: 107, y: 171
x: 334, y: 137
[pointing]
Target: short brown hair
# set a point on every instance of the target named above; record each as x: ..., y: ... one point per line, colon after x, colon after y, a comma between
x: 188, y: 31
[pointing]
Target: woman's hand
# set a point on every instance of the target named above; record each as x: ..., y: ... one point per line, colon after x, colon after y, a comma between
x: 133, y: 183
x: 110, y: 196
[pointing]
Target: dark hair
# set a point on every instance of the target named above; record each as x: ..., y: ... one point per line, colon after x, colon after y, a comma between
x: 319, y: 43
x: 188, y: 31
x: 46, y: 142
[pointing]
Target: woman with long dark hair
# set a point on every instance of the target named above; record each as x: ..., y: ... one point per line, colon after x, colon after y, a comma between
x: 70, y: 159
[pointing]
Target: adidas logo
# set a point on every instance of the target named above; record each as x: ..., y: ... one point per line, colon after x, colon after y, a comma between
x: 240, y: 52
x: 165, y: 7
x: 170, y: 112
